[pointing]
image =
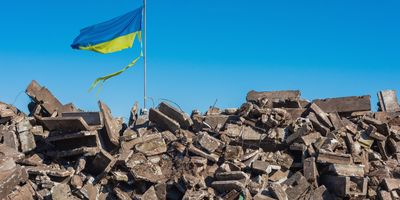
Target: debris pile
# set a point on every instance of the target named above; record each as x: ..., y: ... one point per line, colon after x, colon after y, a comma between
x: 275, y: 146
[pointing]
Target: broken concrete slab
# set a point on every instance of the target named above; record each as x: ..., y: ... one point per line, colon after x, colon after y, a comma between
x: 196, y: 151
x: 163, y: 120
x: 126, y: 146
x: 310, y: 138
x: 150, y: 194
x: 347, y: 170
x: 121, y: 195
x: 226, y: 186
x: 321, y: 115
x: 101, y: 164
x: 91, y: 118
x: 233, y: 175
x: 296, y: 185
x: 391, y: 184
x: 334, y: 158
x: 336, y: 121
x: 45, y: 98
x: 89, y: 191
x: 193, y: 194
x: 318, y: 126
x: 7, y: 151
x: 281, y: 95
x: 148, y: 171
x: 384, y: 195
x: 310, y: 170
x: 48, y: 171
x: 10, y: 176
x: 25, y: 192
x: 208, y: 142
x: 373, y: 133
x: 279, y: 176
x: 295, y: 112
x: 27, y: 141
x: 65, y: 124
x: 264, y: 167
x: 343, y: 186
x: 111, y: 126
x: 249, y: 134
x: 182, y: 118
x: 345, y: 104
x: 233, y: 130
x: 278, y: 192
x: 388, y: 101
x: 65, y: 145
x: 153, y: 147
x: 216, y: 122
x: 10, y: 139
x: 321, y: 193
x: 62, y: 192
x: 76, y: 181
x: 233, y: 153
x: 6, y: 114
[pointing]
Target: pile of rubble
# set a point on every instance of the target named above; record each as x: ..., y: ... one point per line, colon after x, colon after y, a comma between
x: 275, y: 146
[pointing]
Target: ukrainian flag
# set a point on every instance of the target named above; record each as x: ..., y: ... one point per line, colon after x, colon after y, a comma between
x: 111, y: 36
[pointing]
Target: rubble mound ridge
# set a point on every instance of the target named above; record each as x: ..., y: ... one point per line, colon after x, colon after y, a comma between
x: 275, y: 146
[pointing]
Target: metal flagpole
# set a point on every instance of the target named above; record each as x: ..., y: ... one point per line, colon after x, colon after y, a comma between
x: 144, y: 54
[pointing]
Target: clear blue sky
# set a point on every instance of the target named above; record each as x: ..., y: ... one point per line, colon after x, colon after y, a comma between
x: 199, y: 51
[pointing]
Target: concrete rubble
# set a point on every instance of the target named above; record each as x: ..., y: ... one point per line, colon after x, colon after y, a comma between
x: 275, y: 146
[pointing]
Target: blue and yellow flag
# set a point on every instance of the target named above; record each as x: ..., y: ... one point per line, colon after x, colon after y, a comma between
x: 111, y: 36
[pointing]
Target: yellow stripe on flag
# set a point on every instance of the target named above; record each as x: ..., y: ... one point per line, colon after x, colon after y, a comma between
x: 114, y: 45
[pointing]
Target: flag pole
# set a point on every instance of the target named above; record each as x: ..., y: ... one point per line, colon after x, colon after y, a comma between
x: 144, y: 55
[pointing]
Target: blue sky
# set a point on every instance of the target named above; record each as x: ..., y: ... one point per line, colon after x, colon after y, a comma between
x: 200, y: 51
